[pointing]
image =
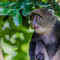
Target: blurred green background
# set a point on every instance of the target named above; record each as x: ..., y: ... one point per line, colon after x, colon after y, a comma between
x: 15, y: 29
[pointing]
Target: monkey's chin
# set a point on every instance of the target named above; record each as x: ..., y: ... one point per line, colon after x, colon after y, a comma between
x: 40, y: 30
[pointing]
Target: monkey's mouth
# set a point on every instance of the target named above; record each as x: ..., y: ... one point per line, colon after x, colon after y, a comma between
x: 36, y: 27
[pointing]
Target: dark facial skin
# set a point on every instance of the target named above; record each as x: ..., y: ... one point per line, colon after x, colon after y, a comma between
x: 35, y: 18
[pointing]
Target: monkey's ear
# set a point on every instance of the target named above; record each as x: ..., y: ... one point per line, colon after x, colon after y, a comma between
x: 51, y: 12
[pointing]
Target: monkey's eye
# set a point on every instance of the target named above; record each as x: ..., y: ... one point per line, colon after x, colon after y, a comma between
x: 36, y: 17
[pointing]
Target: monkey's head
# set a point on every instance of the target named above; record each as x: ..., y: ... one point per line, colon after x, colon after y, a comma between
x: 42, y: 19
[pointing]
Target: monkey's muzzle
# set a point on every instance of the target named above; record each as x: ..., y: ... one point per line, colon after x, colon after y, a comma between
x: 40, y: 56
x: 35, y: 27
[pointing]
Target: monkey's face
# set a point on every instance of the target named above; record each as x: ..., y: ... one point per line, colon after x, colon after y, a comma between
x: 42, y: 20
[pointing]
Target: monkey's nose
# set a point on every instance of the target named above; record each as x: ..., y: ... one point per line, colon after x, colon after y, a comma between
x: 40, y: 56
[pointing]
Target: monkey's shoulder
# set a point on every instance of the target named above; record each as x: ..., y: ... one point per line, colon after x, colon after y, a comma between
x: 57, y: 25
x: 57, y: 28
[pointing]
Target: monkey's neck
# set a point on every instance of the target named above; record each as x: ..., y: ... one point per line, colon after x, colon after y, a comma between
x: 49, y: 36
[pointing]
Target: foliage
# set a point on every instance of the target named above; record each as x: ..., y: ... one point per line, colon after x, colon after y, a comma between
x: 15, y: 30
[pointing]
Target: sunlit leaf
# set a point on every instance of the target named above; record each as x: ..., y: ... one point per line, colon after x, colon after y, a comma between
x: 44, y: 0
x: 27, y: 9
x: 17, y: 18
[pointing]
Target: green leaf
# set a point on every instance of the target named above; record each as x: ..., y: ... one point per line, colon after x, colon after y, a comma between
x: 5, y: 4
x: 44, y: 0
x: 17, y: 18
x: 25, y: 12
x: 58, y: 13
x: 5, y: 11
x: 27, y: 9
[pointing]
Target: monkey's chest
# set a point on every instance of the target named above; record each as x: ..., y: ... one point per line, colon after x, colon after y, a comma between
x: 49, y: 38
x: 50, y: 44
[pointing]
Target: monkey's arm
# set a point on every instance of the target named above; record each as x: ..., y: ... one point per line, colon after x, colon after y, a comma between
x: 32, y: 50
x: 33, y: 46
